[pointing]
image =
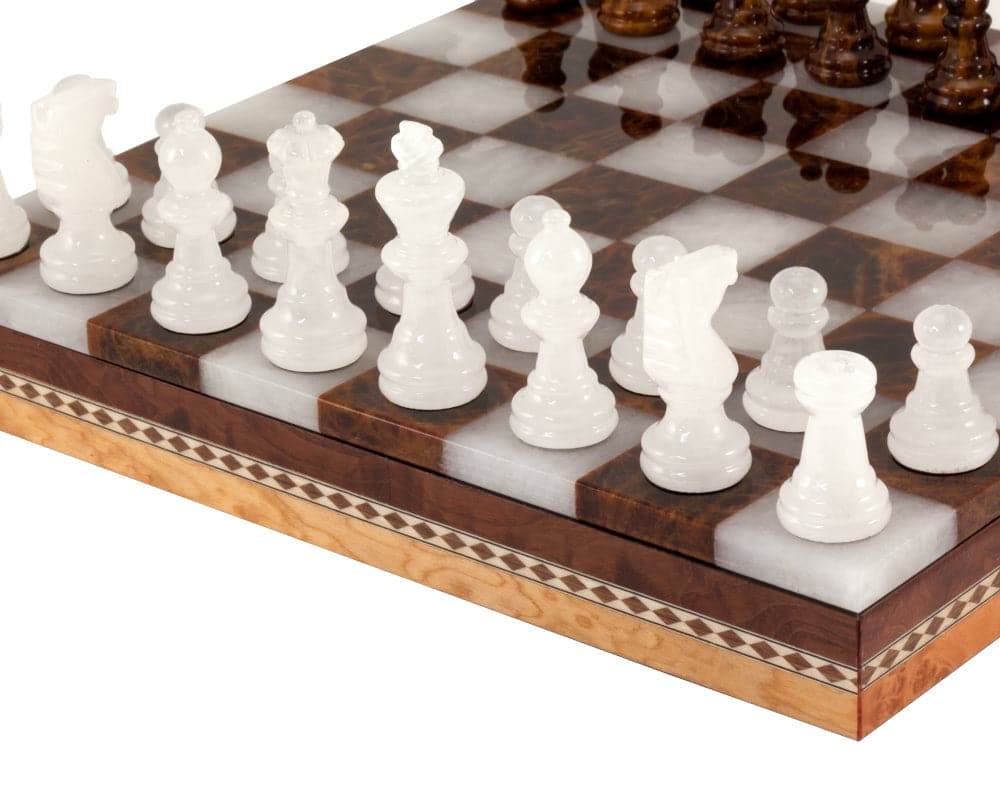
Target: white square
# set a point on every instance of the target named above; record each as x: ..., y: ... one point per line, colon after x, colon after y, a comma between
x: 671, y: 89
x: 588, y: 27
x: 487, y: 454
x: 500, y: 173
x: 488, y: 240
x: 757, y: 233
x: 927, y: 217
x: 240, y: 374
x: 473, y: 101
x: 461, y: 38
x: 850, y: 576
x: 906, y: 72
x: 973, y: 288
x: 261, y: 115
x: 891, y: 142
x: 698, y: 158
x: 248, y: 186
x: 29, y: 306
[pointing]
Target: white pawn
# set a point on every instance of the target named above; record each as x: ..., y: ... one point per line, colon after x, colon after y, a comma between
x: 505, y: 324
x: 834, y: 494
x: 798, y: 317
x: 199, y: 292
x: 563, y: 406
x: 270, y: 250
x: 153, y: 227
x: 696, y: 447
x: 81, y: 183
x: 431, y: 363
x: 943, y: 428
x: 14, y: 226
x: 626, y: 351
x: 313, y: 326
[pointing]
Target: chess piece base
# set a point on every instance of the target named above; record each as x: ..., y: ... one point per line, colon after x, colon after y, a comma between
x: 14, y: 233
x: 848, y: 52
x: 540, y: 6
x: 773, y: 407
x: 88, y: 264
x: 451, y: 393
x: 973, y: 96
x: 520, y: 340
x: 638, y: 17
x: 320, y: 352
x: 801, y: 12
x: 931, y: 459
x: 270, y: 256
x: 758, y: 38
x: 671, y: 461
x: 389, y: 289
x: 916, y: 27
x: 810, y: 518
x: 221, y: 299
x: 555, y: 423
x: 627, y: 371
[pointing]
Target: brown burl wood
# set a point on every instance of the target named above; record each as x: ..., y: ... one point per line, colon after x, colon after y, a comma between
x: 645, y: 642
x: 741, y: 30
x: 639, y: 17
x: 702, y: 588
x: 965, y: 81
x: 848, y: 51
x: 801, y: 12
x: 540, y: 6
x: 916, y: 27
x: 30, y: 251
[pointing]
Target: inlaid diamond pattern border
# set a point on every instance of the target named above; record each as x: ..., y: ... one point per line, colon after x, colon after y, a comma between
x: 927, y: 631
x: 549, y: 574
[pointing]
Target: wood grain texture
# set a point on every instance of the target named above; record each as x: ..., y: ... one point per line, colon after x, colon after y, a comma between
x: 570, y: 616
x: 929, y: 666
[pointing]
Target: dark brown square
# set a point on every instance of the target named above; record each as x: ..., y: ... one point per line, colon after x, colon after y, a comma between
x: 776, y: 114
x: 374, y: 75
x: 887, y: 341
x: 358, y: 413
x: 618, y: 496
x: 238, y: 152
x: 815, y: 188
x: 30, y: 252
x: 986, y: 253
x: 973, y: 495
x: 580, y: 128
x: 141, y: 161
x: 129, y: 336
x: 367, y: 139
x: 974, y: 171
x: 362, y: 294
x: 370, y: 225
x: 559, y: 62
x: 617, y: 204
x: 858, y: 269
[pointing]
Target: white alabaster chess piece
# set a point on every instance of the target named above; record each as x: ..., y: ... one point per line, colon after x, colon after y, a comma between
x: 153, y: 227
x: 626, y: 351
x: 431, y: 363
x: 15, y: 230
x: 270, y: 250
x: 80, y: 182
x: 506, y: 325
x: 199, y: 292
x: 798, y: 316
x: 564, y: 405
x: 834, y: 494
x: 389, y: 282
x: 695, y: 448
x: 313, y: 326
x: 943, y: 428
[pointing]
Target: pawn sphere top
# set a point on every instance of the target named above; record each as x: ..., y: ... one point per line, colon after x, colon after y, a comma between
x: 526, y: 215
x: 943, y: 328
x: 798, y: 289
x: 655, y: 252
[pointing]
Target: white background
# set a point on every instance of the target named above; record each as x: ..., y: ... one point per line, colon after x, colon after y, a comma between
x: 152, y: 648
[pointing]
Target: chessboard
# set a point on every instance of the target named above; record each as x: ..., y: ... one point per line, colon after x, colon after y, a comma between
x: 634, y: 137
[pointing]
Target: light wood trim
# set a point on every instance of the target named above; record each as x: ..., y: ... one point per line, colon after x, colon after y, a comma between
x: 930, y: 665
x: 644, y: 642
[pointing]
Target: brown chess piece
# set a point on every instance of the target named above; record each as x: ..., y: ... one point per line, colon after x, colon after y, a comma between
x: 540, y: 6
x: 639, y: 17
x: 965, y: 80
x: 741, y: 30
x: 916, y: 26
x: 847, y: 51
x: 801, y: 12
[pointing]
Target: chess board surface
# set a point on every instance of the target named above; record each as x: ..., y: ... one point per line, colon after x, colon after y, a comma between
x: 634, y: 137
